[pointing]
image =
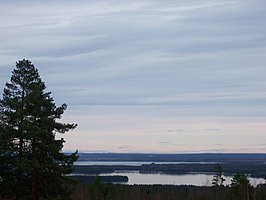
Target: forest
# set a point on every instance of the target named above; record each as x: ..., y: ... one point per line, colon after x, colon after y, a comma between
x: 166, y: 192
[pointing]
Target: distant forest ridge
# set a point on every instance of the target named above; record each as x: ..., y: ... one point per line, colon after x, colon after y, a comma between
x: 202, y: 157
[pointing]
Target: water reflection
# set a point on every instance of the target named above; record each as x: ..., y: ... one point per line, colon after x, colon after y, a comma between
x: 165, y: 179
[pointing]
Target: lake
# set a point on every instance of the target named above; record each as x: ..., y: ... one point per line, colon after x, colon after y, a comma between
x: 198, y: 179
x: 165, y: 179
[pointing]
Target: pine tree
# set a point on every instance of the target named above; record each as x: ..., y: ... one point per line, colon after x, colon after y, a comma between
x: 240, y: 187
x: 32, y: 163
x: 218, y: 178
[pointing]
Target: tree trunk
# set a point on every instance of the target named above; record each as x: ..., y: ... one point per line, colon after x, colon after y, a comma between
x: 34, y: 175
x: 34, y: 185
x: 20, y: 150
x: 21, y: 124
x: 247, y: 192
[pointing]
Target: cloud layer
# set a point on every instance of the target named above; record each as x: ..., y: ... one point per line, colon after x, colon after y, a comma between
x: 132, y: 71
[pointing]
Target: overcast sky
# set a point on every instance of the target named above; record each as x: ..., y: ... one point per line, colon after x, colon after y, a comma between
x: 161, y: 76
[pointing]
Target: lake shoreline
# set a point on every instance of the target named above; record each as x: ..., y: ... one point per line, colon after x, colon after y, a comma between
x: 255, y: 170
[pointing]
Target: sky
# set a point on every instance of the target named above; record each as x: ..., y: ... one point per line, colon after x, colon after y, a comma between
x: 149, y: 76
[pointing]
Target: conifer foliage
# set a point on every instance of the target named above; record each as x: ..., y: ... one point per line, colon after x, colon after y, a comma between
x: 218, y: 178
x: 32, y: 164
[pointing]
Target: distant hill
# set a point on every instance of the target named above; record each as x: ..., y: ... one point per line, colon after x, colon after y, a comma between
x: 204, y: 157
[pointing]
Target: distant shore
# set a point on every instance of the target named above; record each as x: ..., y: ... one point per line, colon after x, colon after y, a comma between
x: 189, y: 157
x: 252, y: 164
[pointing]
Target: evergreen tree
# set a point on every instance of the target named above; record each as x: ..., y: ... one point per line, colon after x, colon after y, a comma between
x: 218, y: 178
x: 32, y: 163
x: 240, y: 187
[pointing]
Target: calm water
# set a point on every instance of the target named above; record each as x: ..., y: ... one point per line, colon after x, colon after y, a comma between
x: 133, y: 163
x: 149, y: 179
x: 185, y: 179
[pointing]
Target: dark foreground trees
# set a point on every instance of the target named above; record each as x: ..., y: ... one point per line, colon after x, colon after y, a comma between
x: 32, y: 164
x: 161, y: 192
x: 240, y: 187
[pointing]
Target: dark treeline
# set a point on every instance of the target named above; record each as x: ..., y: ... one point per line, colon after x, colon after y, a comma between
x: 104, y: 179
x: 252, y: 168
x: 166, y: 192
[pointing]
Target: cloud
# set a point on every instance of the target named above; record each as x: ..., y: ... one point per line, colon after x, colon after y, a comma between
x: 164, y: 143
x: 213, y: 129
x: 123, y: 147
x: 174, y: 131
